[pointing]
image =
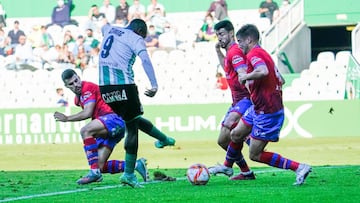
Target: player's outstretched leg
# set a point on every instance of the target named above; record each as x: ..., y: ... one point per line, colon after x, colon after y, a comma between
x: 162, y: 140
x: 169, y: 141
x: 278, y: 161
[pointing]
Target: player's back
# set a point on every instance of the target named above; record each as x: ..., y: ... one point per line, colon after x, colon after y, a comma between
x: 266, y: 92
x: 118, y: 52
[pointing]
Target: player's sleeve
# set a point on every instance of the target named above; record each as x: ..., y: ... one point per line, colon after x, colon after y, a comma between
x: 238, y: 60
x: 89, y: 94
x: 256, y: 60
x: 140, y: 49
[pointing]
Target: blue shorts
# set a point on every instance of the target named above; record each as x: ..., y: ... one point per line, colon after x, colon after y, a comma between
x: 115, y: 125
x: 239, y: 108
x: 264, y: 126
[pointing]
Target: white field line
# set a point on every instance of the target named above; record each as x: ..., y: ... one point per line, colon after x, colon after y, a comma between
x: 142, y: 183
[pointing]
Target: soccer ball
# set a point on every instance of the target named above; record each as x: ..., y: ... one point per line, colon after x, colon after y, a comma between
x: 198, y: 174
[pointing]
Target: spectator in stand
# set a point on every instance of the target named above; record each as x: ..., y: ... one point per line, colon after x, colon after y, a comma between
x: 267, y: 9
x: 70, y: 41
x: 159, y: 21
x: 90, y: 41
x: 61, y: 14
x: 152, y: 40
x: 23, y: 57
x: 94, y: 58
x: 81, y: 55
x: 35, y: 37
x: 4, y: 43
x: 47, y: 39
x: 108, y: 10
x: 220, y: 10
x: 167, y: 40
x: 153, y: 8
x: 50, y: 57
x: 96, y: 19
x: 121, y: 13
x: 65, y: 59
x: 62, y: 101
x: 221, y: 82
x: 137, y: 10
x: 207, y: 32
x: 2, y: 16
x: 82, y: 58
x: 14, y: 34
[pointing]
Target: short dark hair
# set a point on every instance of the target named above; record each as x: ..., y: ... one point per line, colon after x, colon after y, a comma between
x: 226, y: 24
x: 67, y: 74
x: 138, y: 26
x: 248, y: 30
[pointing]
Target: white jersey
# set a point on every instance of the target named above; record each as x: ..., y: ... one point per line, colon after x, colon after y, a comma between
x: 119, y: 48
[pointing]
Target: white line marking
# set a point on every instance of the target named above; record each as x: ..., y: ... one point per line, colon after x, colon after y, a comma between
x: 142, y: 183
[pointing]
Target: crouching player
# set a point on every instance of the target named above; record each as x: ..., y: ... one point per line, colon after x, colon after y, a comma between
x: 100, y: 135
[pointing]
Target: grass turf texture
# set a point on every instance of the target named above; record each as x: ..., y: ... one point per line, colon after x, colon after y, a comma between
x: 325, y: 184
x: 28, y: 170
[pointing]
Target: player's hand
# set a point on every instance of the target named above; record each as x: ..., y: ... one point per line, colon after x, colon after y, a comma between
x: 242, y: 78
x: 151, y: 92
x: 217, y: 46
x: 60, y: 116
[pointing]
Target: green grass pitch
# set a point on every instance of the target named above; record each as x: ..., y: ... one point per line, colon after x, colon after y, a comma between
x: 47, y: 173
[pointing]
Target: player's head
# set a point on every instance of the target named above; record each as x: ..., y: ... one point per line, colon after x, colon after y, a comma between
x: 72, y: 81
x: 224, y: 32
x: 247, y: 36
x: 138, y: 26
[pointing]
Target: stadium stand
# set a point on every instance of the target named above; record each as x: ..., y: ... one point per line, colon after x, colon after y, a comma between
x: 185, y: 75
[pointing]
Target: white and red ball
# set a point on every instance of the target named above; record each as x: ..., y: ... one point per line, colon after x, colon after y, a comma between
x: 198, y: 174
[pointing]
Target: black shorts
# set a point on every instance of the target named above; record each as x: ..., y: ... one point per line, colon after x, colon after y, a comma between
x: 123, y: 99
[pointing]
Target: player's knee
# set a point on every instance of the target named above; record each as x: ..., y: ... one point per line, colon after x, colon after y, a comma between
x: 84, y: 132
x: 223, y: 141
x: 254, y: 155
x: 235, y: 138
x: 223, y: 144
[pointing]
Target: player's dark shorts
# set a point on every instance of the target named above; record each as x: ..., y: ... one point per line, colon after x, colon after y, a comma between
x: 115, y: 126
x: 264, y: 126
x: 123, y: 99
x: 239, y: 108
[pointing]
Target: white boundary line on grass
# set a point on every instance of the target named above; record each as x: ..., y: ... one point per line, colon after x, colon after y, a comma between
x: 119, y: 185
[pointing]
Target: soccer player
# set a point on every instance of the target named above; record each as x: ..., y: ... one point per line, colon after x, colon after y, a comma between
x: 119, y: 49
x: 233, y: 64
x: 265, y: 117
x: 101, y: 134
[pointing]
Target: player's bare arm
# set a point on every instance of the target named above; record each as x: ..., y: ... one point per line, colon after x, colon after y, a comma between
x: 82, y: 115
x: 219, y: 54
x: 149, y: 70
x: 259, y: 72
